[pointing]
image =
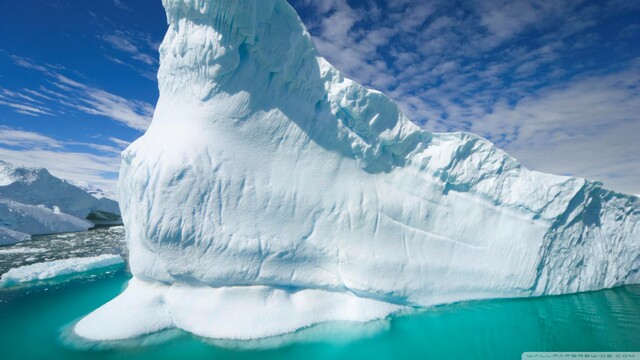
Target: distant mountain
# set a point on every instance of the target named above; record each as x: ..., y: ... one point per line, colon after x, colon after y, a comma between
x: 93, y: 190
x: 34, y: 202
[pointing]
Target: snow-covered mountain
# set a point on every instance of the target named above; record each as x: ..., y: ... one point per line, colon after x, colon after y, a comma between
x: 34, y: 202
x: 271, y: 193
x: 94, y: 191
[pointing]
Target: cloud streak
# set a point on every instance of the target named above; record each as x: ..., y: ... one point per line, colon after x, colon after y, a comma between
x: 589, y: 127
x: 135, y: 50
x: 71, y: 93
x: 88, y: 163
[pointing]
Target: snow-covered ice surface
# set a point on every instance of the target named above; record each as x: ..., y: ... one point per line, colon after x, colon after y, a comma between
x: 57, y: 268
x: 268, y: 181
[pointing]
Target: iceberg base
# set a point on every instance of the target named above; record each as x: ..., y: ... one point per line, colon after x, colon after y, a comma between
x: 230, y: 313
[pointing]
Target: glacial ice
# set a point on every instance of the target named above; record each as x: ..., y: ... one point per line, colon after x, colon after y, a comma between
x: 53, y: 269
x: 270, y: 193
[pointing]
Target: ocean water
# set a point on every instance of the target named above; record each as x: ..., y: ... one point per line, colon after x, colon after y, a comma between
x: 35, y: 323
x: 105, y: 240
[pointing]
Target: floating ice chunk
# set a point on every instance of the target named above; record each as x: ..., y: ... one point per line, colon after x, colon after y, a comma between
x: 21, y: 250
x: 53, y: 269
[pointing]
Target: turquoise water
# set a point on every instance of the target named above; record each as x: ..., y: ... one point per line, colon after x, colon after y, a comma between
x: 35, y: 323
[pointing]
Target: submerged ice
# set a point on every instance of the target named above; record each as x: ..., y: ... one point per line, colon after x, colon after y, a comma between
x: 271, y: 193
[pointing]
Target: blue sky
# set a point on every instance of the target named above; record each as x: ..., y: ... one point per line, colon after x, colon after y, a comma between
x: 554, y: 83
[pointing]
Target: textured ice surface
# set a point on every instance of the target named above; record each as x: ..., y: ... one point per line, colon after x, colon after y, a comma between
x: 266, y: 172
x: 53, y: 269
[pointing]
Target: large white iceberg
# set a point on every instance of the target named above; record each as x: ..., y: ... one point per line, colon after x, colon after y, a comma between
x: 271, y: 193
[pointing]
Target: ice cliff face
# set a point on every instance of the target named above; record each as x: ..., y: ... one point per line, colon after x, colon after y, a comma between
x: 268, y: 179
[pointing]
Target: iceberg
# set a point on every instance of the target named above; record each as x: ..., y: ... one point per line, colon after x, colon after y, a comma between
x: 271, y: 193
x: 53, y: 269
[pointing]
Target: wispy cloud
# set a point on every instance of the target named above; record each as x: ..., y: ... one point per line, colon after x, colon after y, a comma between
x: 121, y: 5
x: 120, y: 42
x: 588, y: 126
x: 66, y: 92
x: 98, y: 168
x: 28, y: 63
x: 26, y: 139
x: 25, y: 109
x: 136, y: 50
x: 119, y: 142
x: 135, y: 114
x: 25, y: 102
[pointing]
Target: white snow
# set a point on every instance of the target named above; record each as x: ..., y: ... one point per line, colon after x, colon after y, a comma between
x: 94, y: 191
x: 53, y: 269
x: 264, y: 169
x: 7, y: 172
